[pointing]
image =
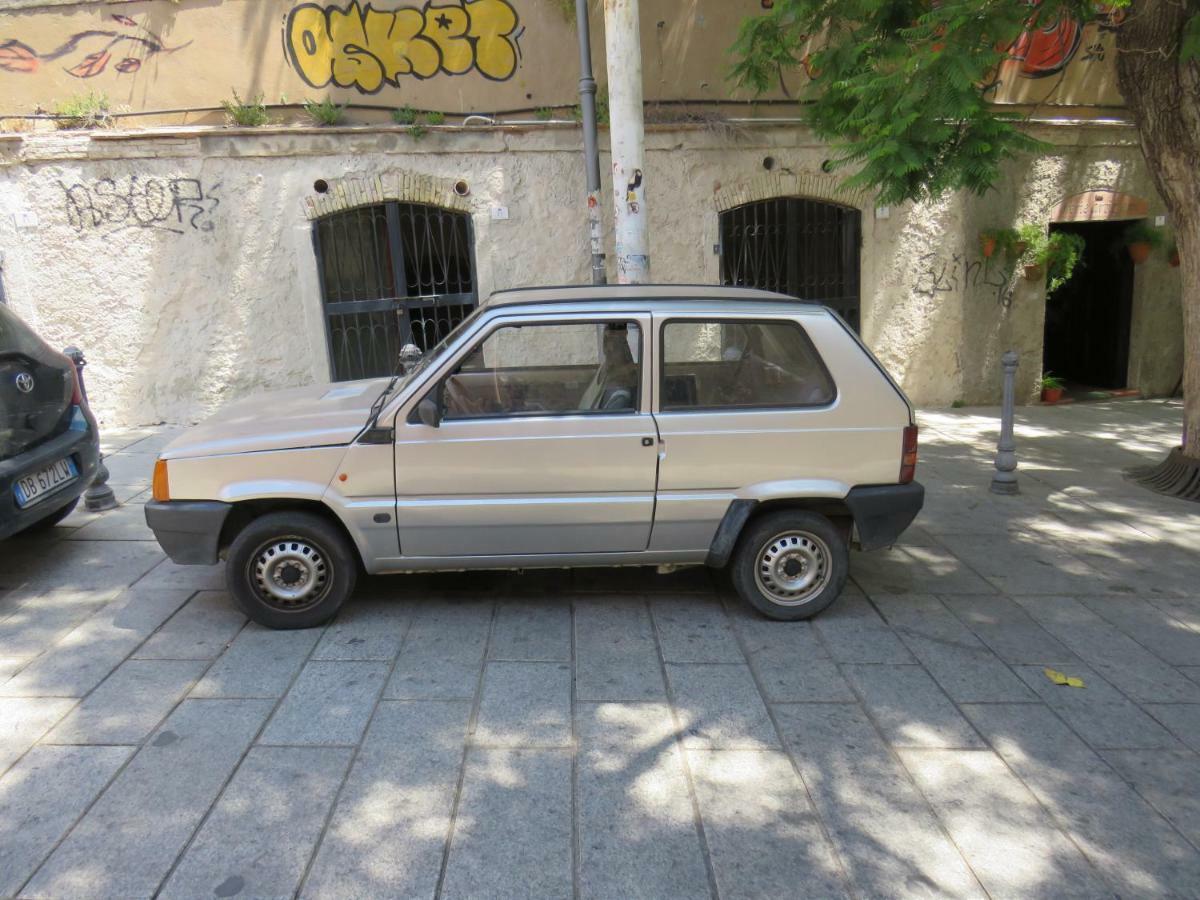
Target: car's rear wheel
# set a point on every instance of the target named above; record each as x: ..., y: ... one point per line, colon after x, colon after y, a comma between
x: 790, y: 564
x: 290, y: 570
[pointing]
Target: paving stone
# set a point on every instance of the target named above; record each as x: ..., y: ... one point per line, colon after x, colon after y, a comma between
x: 642, y: 580
x: 1005, y: 627
x: 84, y: 656
x: 907, y: 569
x: 1121, y: 660
x: 1126, y: 840
x: 196, y: 578
x: 261, y: 662
x: 37, y: 620
x: 88, y: 565
x: 23, y: 721
x: 1010, y: 843
x: 41, y: 797
x: 1192, y: 672
x: 1097, y: 712
x: 1152, y: 626
x: 909, y: 708
x: 525, y: 704
x: 1167, y: 779
x: 371, y: 630
x: 201, y: 630
x: 694, y: 629
x: 130, y: 467
x: 1181, y: 719
x: 719, y: 707
x: 488, y: 856
x: 129, y: 704
x: 615, y: 654
x: 9, y: 667
x: 258, y: 839
x: 538, y: 629
x: 125, y: 844
x: 125, y: 523
x: 854, y: 633
x: 330, y: 703
x: 1023, y: 564
x: 443, y: 653
x: 789, y: 660
x: 763, y: 835
x: 885, y: 832
x: 389, y: 828
x: 637, y: 828
x: 966, y: 669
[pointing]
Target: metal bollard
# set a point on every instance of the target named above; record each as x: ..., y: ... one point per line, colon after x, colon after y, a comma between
x: 98, y: 495
x: 1005, y: 479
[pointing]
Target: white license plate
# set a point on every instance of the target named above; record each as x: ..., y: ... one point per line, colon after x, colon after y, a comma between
x: 32, y: 488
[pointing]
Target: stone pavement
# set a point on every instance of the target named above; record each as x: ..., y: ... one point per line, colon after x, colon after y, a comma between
x: 620, y: 733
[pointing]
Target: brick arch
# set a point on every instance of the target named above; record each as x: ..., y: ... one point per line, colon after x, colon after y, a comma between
x: 810, y: 185
x: 408, y: 187
x: 1099, y: 205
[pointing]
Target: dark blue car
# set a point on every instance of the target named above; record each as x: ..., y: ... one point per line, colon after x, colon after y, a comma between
x: 49, y: 443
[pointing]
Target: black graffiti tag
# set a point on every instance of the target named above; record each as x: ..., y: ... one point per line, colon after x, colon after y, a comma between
x: 939, y: 275
x: 107, y: 205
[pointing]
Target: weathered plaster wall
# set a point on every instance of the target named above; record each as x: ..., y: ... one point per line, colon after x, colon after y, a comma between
x: 183, y: 263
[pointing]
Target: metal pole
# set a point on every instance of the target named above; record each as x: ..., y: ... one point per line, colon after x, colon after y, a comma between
x: 623, y: 48
x: 591, y: 150
x: 1005, y: 479
x: 98, y: 495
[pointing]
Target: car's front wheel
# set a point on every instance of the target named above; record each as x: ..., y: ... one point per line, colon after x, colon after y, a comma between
x: 290, y: 570
x: 790, y: 564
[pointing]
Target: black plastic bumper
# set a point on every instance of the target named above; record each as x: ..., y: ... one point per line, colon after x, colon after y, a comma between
x: 882, y: 513
x: 188, y: 530
x: 82, y: 445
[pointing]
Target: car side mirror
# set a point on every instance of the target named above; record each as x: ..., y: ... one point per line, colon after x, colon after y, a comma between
x: 429, y: 411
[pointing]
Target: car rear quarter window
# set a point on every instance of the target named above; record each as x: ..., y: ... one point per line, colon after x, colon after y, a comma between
x: 737, y: 364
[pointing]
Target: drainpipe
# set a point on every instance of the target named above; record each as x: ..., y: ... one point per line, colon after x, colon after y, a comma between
x: 591, y: 152
x: 627, y: 132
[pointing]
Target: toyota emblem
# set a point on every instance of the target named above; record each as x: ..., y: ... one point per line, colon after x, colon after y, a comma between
x: 24, y: 382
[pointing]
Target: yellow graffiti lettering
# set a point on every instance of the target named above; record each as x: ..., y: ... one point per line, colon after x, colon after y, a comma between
x: 367, y: 48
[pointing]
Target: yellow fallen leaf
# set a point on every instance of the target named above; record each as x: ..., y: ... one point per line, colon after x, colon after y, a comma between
x: 1060, y: 678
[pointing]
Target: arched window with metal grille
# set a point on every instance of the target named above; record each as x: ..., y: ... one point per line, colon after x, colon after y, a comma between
x: 805, y: 248
x: 391, y: 274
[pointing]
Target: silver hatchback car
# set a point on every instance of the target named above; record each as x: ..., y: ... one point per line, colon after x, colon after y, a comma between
x: 557, y: 427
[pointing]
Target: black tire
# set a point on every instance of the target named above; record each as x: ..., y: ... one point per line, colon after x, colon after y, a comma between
x: 800, y: 540
x: 291, y: 544
x: 53, y: 519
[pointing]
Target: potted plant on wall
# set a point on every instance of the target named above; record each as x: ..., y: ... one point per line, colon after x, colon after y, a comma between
x: 1055, y: 254
x: 1141, y: 239
x: 1029, y: 247
x: 1052, y: 388
x: 1004, y: 239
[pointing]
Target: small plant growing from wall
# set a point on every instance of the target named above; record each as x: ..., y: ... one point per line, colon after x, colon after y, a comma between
x: 417, y: 131
x: 543, y: 114
x: 324, y: 112
x: 249, y: 113
x: 405, y: 115
x: 436, y: 118
x: 601, y: 107
x: 1140, y: 239
x: 90, y: 110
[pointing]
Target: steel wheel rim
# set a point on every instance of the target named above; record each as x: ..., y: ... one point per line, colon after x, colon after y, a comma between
x: 290, y: 573
x: 793, y: 567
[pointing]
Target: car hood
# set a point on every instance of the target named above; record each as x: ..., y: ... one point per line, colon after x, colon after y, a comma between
x: 320, y: 415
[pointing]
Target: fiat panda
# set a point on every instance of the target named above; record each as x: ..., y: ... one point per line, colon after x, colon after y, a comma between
x: 559, y: 427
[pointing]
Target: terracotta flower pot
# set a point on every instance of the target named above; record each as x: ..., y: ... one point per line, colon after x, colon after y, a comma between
x: 987, y: 246
x: 1139, y: 252
x: 1034, y: 272
x: 1173, y: 259
x: 1051, y: 395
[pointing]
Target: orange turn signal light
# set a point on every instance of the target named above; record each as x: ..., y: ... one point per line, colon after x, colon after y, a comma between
x: 161, y: 487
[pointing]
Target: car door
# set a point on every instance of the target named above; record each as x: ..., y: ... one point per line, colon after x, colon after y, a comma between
x: 545, y: 444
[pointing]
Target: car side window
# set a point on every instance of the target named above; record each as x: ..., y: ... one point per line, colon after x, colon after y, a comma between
x: 548, y: 369
x: 730, y: 364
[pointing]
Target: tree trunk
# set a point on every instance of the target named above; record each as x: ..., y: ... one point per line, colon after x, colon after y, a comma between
x: 1163, y: 96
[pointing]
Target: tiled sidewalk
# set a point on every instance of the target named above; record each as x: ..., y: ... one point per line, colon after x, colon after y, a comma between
x: 620, y: 733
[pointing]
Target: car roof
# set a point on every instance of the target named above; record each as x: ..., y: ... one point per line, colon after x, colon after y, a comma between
x: 707, y: 294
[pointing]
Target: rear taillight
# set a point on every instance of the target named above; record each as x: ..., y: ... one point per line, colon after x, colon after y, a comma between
x: 161, y: 489
x: 908, y: 455
x: 76, y: 391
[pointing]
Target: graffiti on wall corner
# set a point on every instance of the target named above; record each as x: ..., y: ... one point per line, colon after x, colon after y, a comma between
x: 367, y: 48
x: 942, y: 275
x: 108, y: 205
x: 90, y: 51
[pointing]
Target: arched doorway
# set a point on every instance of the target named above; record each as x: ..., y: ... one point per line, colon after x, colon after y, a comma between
x: 392, y: 273
x: 805, y: 248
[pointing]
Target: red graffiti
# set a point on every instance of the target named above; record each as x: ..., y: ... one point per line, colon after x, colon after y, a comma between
x: 1047, y: 50
x: 16, y: 56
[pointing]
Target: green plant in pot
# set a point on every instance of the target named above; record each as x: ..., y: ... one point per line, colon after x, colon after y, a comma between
x: 1062, y: 255
x: 1141, y: 239
x: 1052, y: 388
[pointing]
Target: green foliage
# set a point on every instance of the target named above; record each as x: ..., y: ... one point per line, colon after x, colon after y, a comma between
x: 324, y: 112
x: 1051, y: 382
x: 958, y: 404
x: 543, y: 113
x: 1062, y: 255
x: 417, y: 131
x: 435, y: 118
x: 249, y: 113
x: 1142, y: 233
x: 900, y: 87
x: 90, y: 110
x: 405, y: 115
x: 601, y: 107
x: 1190, y: 47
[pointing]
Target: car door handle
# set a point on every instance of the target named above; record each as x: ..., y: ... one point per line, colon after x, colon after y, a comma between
x: 647, y: 442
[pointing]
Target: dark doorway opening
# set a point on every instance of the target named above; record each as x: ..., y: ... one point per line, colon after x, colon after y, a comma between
x: 1087, y: 319
x: 805, y: 248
